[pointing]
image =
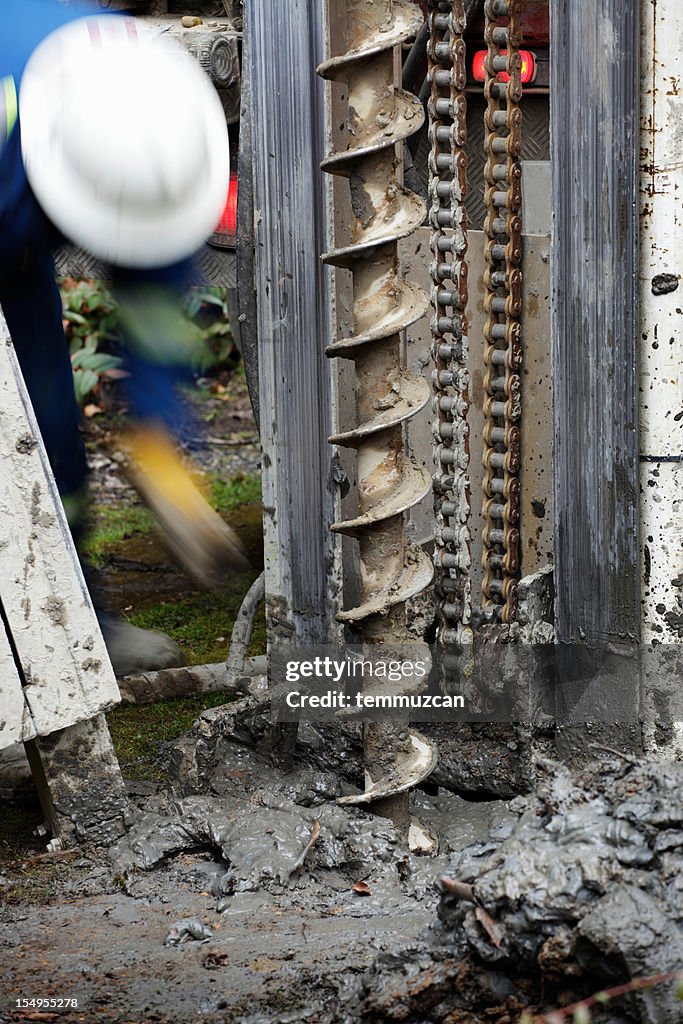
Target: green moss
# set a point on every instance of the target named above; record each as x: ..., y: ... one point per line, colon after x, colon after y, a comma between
x: 202, y: 623
x: 140, y: 734
x: 110, y: 526
x: 241, y: 489
x: 36, y: 884
x: 27, y: 880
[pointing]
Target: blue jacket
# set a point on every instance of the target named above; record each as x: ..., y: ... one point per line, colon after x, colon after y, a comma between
x: 25, y: 23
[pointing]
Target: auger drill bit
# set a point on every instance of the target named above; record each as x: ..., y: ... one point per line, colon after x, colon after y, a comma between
x: 387, y: 394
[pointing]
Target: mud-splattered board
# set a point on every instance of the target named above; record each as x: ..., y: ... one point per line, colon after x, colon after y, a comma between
x: 60, y: 673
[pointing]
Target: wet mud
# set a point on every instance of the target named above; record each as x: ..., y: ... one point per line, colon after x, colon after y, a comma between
x: 253, y: 898
x: 138, y: 573
x: 581, y: 892
x: 246, y: 893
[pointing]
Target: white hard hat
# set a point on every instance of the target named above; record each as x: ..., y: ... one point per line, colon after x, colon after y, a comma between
x: 124, y: 141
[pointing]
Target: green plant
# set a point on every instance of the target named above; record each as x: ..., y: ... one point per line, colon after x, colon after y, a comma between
x: 208, y: 308
x: 109, y: 525
x: 240, y: 489
x: 89, y: 368
x: 140, y: 733
x: 90, y: 317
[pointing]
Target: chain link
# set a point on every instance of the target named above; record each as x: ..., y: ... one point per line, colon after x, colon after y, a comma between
x: 503, y: 307
x: 502, y: 304
x: 448, y: 243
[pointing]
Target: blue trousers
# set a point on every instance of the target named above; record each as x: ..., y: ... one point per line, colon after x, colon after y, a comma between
x: 31, y: 303
x: 32, y: 306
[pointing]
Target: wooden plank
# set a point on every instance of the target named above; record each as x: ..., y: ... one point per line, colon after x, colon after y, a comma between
x: 66, y: 670
x: 594, y: 146
x: 16, y: 724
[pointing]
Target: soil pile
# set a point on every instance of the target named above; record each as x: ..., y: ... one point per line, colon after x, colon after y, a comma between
x: 583, y: 891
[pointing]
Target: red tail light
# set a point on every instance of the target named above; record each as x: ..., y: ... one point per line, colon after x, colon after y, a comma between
x: 528, y: 67
x: 478, y: 66
x: 225, y: 234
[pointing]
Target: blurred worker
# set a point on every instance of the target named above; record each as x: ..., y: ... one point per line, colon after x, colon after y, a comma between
x: 111, y: 137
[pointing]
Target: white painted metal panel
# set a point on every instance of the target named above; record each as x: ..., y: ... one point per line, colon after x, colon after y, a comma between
x: 661, y: 300
x: 64, y: 660
x: 16, y: 725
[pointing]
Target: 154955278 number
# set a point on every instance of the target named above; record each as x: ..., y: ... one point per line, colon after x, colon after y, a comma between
x: 51, y: 1003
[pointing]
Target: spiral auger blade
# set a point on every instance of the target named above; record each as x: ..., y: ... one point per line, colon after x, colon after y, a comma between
x: 392, y: 570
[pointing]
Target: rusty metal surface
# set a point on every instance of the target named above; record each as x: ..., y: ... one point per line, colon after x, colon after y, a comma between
x: 535, y: 20
x: 536, y: 519
x: 535, y: 146
x: 504, y: 348
x: 447, y: 109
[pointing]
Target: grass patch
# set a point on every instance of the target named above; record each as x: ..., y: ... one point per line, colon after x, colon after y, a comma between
x: 241, y: 489
x: 35, y: 884
x: 202, y: 624
x: 26, y: 879
x: 110, y: 526
x: 140, y: 734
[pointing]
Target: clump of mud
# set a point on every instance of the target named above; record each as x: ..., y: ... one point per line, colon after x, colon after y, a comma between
x: 583, y: 891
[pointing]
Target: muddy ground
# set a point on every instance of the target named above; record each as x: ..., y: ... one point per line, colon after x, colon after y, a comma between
x: 122, y: 542
x: 293, y: 908
x: 284, y: 955
x: 75, y: 926
x: 284, y: 943
x: 269, y: 954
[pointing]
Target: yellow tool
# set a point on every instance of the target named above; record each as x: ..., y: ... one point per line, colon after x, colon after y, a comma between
x: 196, y: 535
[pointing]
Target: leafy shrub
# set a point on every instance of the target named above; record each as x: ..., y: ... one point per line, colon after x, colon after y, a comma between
x: 91, y: 323
x: 90, y: 318
x: 208, y: 308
